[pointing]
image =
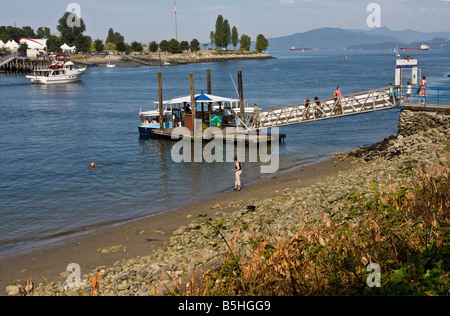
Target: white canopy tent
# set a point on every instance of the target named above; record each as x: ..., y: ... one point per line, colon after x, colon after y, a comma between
x: 67, y: 49
x: 2, y: 45
x: 12, y: 45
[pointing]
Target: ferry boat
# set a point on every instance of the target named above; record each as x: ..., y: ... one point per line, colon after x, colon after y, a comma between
x: 58, y: 72
x: 214, y: 111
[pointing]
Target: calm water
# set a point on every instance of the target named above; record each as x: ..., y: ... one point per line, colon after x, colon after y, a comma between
x: 50, y: 135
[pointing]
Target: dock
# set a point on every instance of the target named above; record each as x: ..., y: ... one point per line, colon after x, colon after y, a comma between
x: 436, y: 108
x: 13, y: 64
x: 244, y: 137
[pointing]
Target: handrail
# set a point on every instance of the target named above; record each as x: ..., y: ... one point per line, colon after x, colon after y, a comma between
x: 433, y: 95
x: 367, y: 101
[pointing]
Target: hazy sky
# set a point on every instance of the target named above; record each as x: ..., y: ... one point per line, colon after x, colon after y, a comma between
x: 148, y: 20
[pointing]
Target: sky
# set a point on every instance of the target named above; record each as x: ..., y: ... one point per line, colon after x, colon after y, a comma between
x: 154, y: 20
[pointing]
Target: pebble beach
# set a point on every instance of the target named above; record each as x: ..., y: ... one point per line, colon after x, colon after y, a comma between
x: 146, y: 257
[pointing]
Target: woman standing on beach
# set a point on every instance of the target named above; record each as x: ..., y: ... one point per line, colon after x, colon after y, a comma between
x: 238, y: 173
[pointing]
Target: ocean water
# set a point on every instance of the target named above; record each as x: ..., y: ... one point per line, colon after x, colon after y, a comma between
x: 50, y: 134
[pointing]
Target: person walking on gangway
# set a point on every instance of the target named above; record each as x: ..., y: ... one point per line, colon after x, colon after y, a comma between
x: 338, y: 101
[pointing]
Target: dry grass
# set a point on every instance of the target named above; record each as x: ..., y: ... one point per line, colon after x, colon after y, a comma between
x: 403, y: 229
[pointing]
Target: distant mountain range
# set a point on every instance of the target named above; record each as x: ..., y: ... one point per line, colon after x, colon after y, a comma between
x: 379, y: 38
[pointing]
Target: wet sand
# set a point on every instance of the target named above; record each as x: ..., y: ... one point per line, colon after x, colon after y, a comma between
x: 142, y: 236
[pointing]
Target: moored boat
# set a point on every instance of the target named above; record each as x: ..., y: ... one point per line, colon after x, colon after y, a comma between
x: 213, y: 111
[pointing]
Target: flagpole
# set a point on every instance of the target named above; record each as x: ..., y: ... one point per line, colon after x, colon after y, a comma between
x: 176, y: 26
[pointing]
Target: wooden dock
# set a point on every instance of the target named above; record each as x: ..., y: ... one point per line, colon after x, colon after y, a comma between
x: 22, y: 65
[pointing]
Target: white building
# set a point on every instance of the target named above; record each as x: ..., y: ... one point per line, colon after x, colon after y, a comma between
x: 39, y: 44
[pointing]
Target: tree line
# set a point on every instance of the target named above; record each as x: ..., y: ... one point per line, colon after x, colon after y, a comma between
x: 220, y: 39
x: 225, y: 35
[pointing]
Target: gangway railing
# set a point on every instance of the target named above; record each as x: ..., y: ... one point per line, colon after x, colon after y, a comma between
x: 357, y: 103
x: 433, y: 95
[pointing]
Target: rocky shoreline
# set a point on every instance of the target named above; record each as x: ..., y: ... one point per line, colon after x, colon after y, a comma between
x: 423, y: 137
x: 168, y: 59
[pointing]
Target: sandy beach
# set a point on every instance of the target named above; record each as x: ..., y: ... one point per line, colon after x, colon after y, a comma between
x: 144, y: 236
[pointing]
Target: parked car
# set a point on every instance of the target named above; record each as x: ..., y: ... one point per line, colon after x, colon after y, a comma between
x: 2, y: 54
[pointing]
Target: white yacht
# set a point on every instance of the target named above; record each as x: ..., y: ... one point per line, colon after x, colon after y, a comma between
x: 59, y: 72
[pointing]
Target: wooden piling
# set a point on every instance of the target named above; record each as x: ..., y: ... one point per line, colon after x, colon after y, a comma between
x: 209, y: 91
x: 208, y: 81
x: 160, y: 103
x: 193, y: 107
x: 241, y: 92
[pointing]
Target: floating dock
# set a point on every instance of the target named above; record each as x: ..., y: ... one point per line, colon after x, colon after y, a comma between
x: 253, y: 137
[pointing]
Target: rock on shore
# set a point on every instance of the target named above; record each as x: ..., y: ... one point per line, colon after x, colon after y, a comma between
x: 422, y: 137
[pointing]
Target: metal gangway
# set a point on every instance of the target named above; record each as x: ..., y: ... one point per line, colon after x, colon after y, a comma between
x: 315, y: 110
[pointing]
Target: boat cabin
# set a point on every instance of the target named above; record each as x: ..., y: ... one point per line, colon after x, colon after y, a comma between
x: 213, y: 111
x: 56, y: 69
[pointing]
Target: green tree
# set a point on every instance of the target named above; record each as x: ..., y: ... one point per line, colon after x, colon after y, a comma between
x: 195, y: 45
x: 14, y: 33
x: 28, y: 32
x: 234, y: 37
x: 54, y: 44
x: 212, y: 38
x: 174, y: 46
x: 137, y: 47
x: 261, y: 43
x: 227, y: 30
x: 70, y: 25
x: 110, y: 37
x: 83, y: 43
x: 220, y: 36
x: 121, y: 47
x: 114, y: 37
x: 43, y: 32
x: 5, y: 37
x: 153, y: 47
x: 23, y: 48
x: 110, y: 47
x: 98, y: 45
x: 246, y: 42
x: 164, y: 46
x: 184, y: 46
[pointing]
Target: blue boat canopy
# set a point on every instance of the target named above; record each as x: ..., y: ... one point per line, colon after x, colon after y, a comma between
x: 201, y: 98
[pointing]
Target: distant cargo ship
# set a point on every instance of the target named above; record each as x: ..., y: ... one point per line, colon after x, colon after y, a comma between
x: 422, y: 47
x: 300, y: 49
